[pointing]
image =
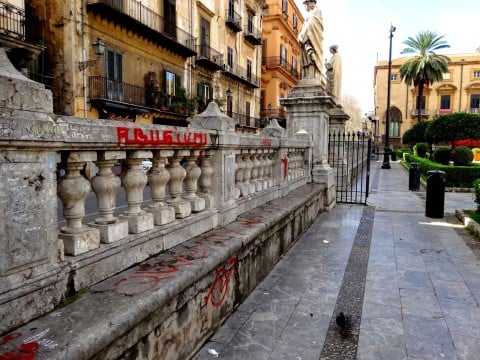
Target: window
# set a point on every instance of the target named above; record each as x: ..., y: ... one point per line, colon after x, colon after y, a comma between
x: 476, y: 74
x: 294, y: 65
x: 393, y: 77
x: 205, y: 38
x: 475, y: 101
x: 171, y: 83
x: 445, y: 102
x: 295, y: 22
x: 446, y: 76
x: 231, y: 10
x: 283, y: 56
x: 249, y: 70
x: 229, y: 56
x: 114, y: 73
x: 250, y: 23
x: 395, y: 121
x: 284, y: 7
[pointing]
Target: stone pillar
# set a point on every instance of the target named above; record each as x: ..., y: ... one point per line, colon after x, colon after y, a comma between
x: 308, y: 110
x: 177, y: 175
x: 73, y: 190
x: 158, y: 178
x: 106, y: 185
x: 193, y: 174
x: 134, y: 182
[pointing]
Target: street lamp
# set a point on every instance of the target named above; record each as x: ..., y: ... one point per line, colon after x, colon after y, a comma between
x: 386, y: 151
x: 98, y: 49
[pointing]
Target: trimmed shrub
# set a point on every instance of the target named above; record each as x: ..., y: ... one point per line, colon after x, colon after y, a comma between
x: 476, y: 188
x: 420, y: 149
x: 461, y: 156
x: 442, y: 155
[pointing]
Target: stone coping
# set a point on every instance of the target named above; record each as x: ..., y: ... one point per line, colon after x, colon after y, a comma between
x: 116, y: 305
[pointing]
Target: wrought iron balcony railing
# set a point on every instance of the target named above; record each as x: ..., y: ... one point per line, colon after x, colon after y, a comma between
x: 473, y: 111
x: 245, y: 120
x: 241, y: 74
x: 233, y: 20
x: 12, y: 21
x: 209, y: 57
x: 149, y: 20
x: 253, y: 35
x: 278, y: 61
x: 423, y: 112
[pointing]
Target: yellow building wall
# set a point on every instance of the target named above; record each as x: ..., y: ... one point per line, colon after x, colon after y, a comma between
x: 459, y: 86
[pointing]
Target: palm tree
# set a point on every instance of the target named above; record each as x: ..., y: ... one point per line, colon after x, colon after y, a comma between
x: 426, y: 67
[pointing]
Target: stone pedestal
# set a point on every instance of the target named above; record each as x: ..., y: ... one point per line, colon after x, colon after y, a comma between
x: 162, y: 214
x: 79, y: 243
x: 139, y: 222
x: 112, y: 232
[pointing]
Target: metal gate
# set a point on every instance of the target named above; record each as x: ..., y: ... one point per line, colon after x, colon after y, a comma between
x: 349, y: 156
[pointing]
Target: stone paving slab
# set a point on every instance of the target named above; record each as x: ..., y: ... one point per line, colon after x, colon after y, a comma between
x: 421, y: 295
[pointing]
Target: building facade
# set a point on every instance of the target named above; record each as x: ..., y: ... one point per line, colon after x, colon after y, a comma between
x: 281, y: 56
x: 459, y: 91
x: 148, y: 61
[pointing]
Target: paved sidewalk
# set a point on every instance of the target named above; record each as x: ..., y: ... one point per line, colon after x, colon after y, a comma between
x: 409, y: 283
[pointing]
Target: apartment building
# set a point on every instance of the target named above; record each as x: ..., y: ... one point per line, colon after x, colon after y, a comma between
x: 151, y: 61
x: 281, y: 56
x: 459, y: 91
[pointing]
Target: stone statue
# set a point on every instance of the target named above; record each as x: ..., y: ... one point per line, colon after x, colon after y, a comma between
x: 311, y: 39
x: 334, y: 73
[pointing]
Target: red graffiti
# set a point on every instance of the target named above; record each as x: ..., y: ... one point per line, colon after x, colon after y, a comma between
x: 267, y: 142
x: 26, y: 351
x: 219, y: 288
x: 285, y: 167
x: 136, y: 136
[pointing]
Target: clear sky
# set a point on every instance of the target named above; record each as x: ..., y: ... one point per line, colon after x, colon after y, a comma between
x: 361, y: 31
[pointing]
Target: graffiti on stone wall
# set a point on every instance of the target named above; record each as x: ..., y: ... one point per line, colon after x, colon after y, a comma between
x: 27, y: 350
x: 136, y: 136
x: 218, y: 290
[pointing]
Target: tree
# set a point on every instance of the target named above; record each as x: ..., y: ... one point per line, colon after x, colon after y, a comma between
x: 352, y: 109
x: 426, y: 67
x: 416, y: 134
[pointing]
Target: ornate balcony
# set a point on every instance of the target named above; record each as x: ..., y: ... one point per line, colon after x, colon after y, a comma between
x: 252, y: 35
x: 147, y: 23
x: 279, y: 62
x: 209, y: 58
x: 233, y: 20
x: 241, y: 74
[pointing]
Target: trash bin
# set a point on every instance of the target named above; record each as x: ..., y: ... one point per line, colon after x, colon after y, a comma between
x: 435, y: 194
x: 414, y: 177
x: 393, y: 154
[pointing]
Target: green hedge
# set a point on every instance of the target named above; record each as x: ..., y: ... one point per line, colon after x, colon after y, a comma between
x: 455, y: 176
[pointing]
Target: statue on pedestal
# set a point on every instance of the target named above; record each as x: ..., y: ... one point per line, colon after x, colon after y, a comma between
x: 334, y: 73
x: 311, y: 39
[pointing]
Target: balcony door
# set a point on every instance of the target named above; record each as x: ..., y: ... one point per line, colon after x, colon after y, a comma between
x: 205, y: 38
x: 113, y: 71
x: 169, y: 11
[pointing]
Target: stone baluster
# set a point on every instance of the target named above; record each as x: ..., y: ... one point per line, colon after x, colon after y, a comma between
x: 193, y: 173
x: 271, y: 178
x: 257, y: 180
x: 263, y: 169
x: 158, y: 178
x: 239, y: 175
x: 134, y: 182
x: 105, y: 185
x: 175, y: 184
x: 247, y: 174
x: 205, y: 181
x: 72, y: 190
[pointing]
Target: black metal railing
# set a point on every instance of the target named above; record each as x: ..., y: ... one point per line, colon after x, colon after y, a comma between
x: 102, y: 88
x: 245, y: 120
x: 253, y: 35
x: 278, y: 61
x: 233, y: 20
x: 12, y: 21
x: 149, y: 18
x: 204, y: 51
x: 277, y: 113
x: 242, y: 74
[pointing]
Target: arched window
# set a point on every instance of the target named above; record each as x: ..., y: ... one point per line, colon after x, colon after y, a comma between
x: 395, y: 121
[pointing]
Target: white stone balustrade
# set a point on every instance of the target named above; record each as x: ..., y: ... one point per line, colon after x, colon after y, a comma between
x: 205, y: 180
x: 193, y: 173
x: 177, y: 174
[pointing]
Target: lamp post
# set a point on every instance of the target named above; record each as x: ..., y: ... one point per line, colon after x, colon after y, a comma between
x: 386, y: 151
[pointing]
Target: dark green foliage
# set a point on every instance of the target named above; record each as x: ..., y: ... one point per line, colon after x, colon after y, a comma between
x: 421, y: 149
x: 455, y: 176
x: 461, y: 156
x: 476, y: 188
x: 456, y: 126
x: 416, y: 134
x: 442, y: 155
